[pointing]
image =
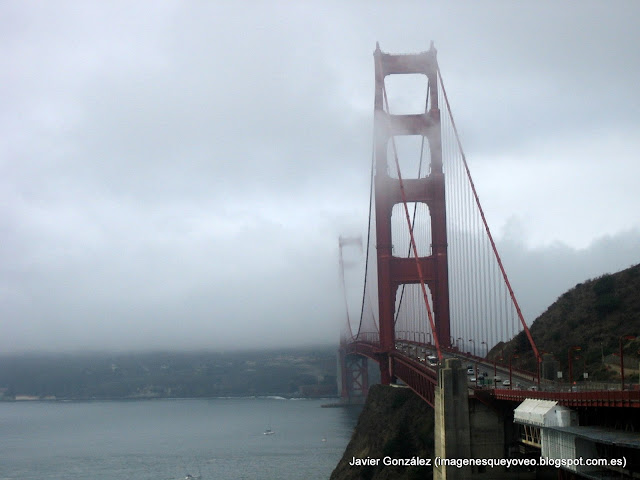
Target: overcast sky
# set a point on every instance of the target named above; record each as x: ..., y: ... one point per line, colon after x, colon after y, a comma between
x: 176, y: 174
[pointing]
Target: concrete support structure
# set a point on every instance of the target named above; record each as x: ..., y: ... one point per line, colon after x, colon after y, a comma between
x: 452, y: 426
x: 487, y: 436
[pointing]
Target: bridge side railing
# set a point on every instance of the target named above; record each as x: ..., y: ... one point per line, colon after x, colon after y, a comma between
x: 420, y: 378
x: 603, y: 398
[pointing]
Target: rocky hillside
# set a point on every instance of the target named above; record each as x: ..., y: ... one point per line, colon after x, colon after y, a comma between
x: 593, y: 315
x: 396, y: 423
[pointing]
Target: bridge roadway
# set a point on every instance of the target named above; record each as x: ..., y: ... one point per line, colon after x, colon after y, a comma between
x: 411, y: 365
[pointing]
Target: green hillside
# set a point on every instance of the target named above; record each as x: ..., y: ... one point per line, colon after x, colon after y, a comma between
x: 593, y: 316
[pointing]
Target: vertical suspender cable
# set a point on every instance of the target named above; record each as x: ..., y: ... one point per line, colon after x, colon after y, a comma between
x: 486, y: 226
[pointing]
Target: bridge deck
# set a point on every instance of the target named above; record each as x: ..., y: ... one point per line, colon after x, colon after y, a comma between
x: 422, y: 379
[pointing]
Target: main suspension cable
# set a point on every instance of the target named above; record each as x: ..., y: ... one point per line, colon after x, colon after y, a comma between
x: 366, y: 265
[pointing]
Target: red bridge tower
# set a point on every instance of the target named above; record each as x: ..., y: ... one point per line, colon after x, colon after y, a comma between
x: 396, y: 271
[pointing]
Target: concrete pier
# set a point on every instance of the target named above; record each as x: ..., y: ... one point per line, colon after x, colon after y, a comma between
x: 452, y: 427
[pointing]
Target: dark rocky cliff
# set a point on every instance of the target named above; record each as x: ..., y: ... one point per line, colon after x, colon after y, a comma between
x: 394, y: 423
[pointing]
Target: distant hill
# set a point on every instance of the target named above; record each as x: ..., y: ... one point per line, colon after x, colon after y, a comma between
x: 593, y: 315
x: 286, y: 372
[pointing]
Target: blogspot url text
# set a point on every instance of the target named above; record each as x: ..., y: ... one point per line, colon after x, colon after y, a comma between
x: 491, y: 462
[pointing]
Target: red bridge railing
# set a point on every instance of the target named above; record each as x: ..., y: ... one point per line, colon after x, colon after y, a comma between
x: 606, y: 398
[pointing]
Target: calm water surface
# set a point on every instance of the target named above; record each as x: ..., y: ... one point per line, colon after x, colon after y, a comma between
x: 166, y: 439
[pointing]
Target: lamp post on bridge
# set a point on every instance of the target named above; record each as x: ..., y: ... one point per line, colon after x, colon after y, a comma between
x: 474, y: 346
x: 550, y: 371
x: 623, y: 337
x: 486, y: 346
x: 513, y: 355
x: 580, y: 357
x: 577, y: 349
x: 539, y: 362
x: 495, y: 370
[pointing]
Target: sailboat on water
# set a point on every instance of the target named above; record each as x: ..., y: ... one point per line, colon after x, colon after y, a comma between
x: 188, y: 476
x: 268, y: 431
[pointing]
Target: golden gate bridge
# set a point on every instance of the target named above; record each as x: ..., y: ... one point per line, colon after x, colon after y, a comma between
x: 434, y: 283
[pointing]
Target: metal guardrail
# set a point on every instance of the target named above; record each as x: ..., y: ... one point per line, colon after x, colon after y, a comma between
x: 602, y: 398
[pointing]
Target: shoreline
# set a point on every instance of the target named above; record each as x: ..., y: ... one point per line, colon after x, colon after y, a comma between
x: 31, y: 399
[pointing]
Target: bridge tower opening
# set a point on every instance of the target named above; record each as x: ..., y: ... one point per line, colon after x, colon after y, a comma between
x: 394, y: 271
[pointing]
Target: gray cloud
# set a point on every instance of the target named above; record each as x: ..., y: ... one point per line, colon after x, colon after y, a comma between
x: 540, y: 275
x: 177, y: 174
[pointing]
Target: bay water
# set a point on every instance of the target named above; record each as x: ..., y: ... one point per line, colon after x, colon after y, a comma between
x: 168, y: 439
